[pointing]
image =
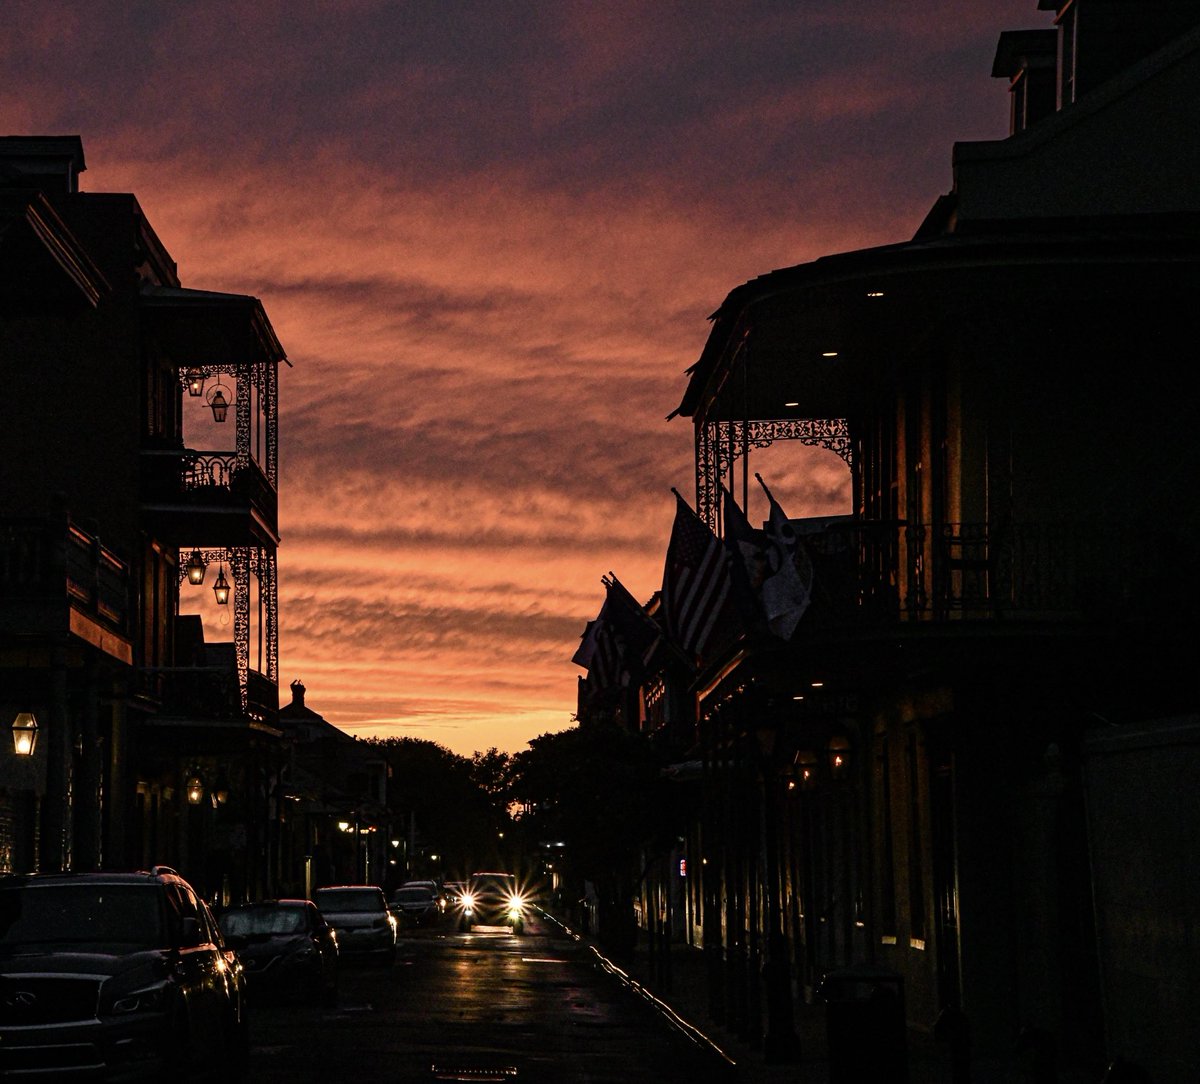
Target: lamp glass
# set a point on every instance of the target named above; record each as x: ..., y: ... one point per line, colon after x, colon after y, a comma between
x: 195, y: 791
x: 221, y: 588
x: 25, y: 732
x: 839, y: 757
x: 196, y: 568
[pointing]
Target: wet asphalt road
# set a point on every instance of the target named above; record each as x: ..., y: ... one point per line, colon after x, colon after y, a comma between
x: 479, y: 1006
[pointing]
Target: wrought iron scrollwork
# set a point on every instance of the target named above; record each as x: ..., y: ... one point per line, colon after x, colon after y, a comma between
x: 720, y: 444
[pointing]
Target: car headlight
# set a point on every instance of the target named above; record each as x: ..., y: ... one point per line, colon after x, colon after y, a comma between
x: 516, y: 905
x: 467, y: 901
x: 148, y: 999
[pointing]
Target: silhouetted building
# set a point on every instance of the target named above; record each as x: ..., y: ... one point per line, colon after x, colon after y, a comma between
x: 972, y: 764
x: 140, y: 469
x: 335, y: 825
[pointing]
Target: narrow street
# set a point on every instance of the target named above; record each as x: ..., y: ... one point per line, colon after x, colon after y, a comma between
x: 477, y: 1006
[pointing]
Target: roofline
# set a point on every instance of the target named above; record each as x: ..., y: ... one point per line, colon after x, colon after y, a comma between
x: 1079, y: 241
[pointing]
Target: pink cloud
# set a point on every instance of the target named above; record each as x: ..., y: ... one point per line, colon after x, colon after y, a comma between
x: 490, y: 247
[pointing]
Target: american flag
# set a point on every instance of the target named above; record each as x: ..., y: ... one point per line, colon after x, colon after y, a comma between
x: 696, y: 596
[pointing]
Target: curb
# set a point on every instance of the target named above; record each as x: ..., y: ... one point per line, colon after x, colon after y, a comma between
x: 684, y: 1027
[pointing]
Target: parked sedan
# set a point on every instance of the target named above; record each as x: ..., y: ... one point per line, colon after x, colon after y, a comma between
x: 286, y: 947
x: 360, y: 915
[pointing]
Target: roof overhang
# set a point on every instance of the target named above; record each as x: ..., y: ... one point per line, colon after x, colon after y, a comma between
x: 814, y: 341
x: 205, y: 327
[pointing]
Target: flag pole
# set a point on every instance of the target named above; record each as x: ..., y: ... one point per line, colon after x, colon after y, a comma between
x: 764, y: 485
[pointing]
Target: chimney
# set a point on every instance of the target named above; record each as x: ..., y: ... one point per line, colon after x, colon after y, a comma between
x: 1028, y: 60
x: 49, y: 163
x: 298, y: 693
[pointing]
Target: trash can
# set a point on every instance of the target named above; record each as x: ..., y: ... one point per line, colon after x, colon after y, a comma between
x: 864, y: 1025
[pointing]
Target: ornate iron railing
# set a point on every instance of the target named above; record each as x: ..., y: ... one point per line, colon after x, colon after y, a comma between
x: 881, y: 572
x: 203, y: 478
x: 211, y: 692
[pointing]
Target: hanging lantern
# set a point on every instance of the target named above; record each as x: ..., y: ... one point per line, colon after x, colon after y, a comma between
x: 221, y: 588
x: 195, y: 383
x: 219, y: 401
x: 195, y: 568
x: 195, y: 790
x: 804, y: 769
x: 24, y: 732
x: 219, y: 404
x: 839, y: 757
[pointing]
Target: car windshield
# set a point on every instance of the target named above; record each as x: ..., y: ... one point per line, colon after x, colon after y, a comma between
x: 414, y: 895
x: 494, y: 883
x: 119, y: 918
x: 262, y: 920
x: 343, y: 900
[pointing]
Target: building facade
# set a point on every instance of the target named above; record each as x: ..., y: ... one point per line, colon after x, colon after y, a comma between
x: 140, y: 476
x: 969, y: 769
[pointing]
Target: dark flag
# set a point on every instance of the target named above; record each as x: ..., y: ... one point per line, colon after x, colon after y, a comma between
x: 749, y: 562
x: 637, y: 630
x: 787, y: 589
x: 696, y: 592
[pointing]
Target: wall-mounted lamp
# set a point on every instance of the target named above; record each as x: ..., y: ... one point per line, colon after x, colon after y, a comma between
x: 343, y: 826
x: 221, y: 588
x: 195, y: 790
x: 24, y: 732
x: 195, y: 383
x: 195, y: 568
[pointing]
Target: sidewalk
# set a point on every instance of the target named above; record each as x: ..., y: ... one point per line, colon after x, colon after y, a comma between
x: 682, y: 997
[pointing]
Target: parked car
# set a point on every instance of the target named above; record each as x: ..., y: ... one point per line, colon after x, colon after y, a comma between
x: 286, y: 947
x: 417, y: 904
x: 493, y: 899
x: 116, y: 976
x: 360, y: 915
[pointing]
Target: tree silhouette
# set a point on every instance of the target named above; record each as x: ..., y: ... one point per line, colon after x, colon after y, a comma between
x: 599, y: 791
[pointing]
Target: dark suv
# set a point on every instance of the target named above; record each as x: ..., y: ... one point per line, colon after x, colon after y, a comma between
x: 115, y: 976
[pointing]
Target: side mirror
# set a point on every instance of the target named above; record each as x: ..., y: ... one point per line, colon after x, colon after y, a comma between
x: 189, y: 932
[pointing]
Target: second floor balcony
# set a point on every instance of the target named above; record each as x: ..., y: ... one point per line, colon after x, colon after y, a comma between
x: 209, y: 497
x: 211, y: 693
x: 874, y: 574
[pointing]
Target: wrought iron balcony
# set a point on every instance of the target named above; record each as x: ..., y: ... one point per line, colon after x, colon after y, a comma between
x: 205, y: 693
x: 199, y: 481
x: 874, y: 573
x: 50, y: 569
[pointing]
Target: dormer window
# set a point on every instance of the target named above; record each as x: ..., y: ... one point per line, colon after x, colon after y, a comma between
x: 1027, y: 58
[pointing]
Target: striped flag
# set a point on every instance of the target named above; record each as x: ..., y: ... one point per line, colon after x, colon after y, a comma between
x: 696, y: 594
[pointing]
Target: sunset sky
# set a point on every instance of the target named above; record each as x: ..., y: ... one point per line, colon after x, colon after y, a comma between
x: 489, y: 236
